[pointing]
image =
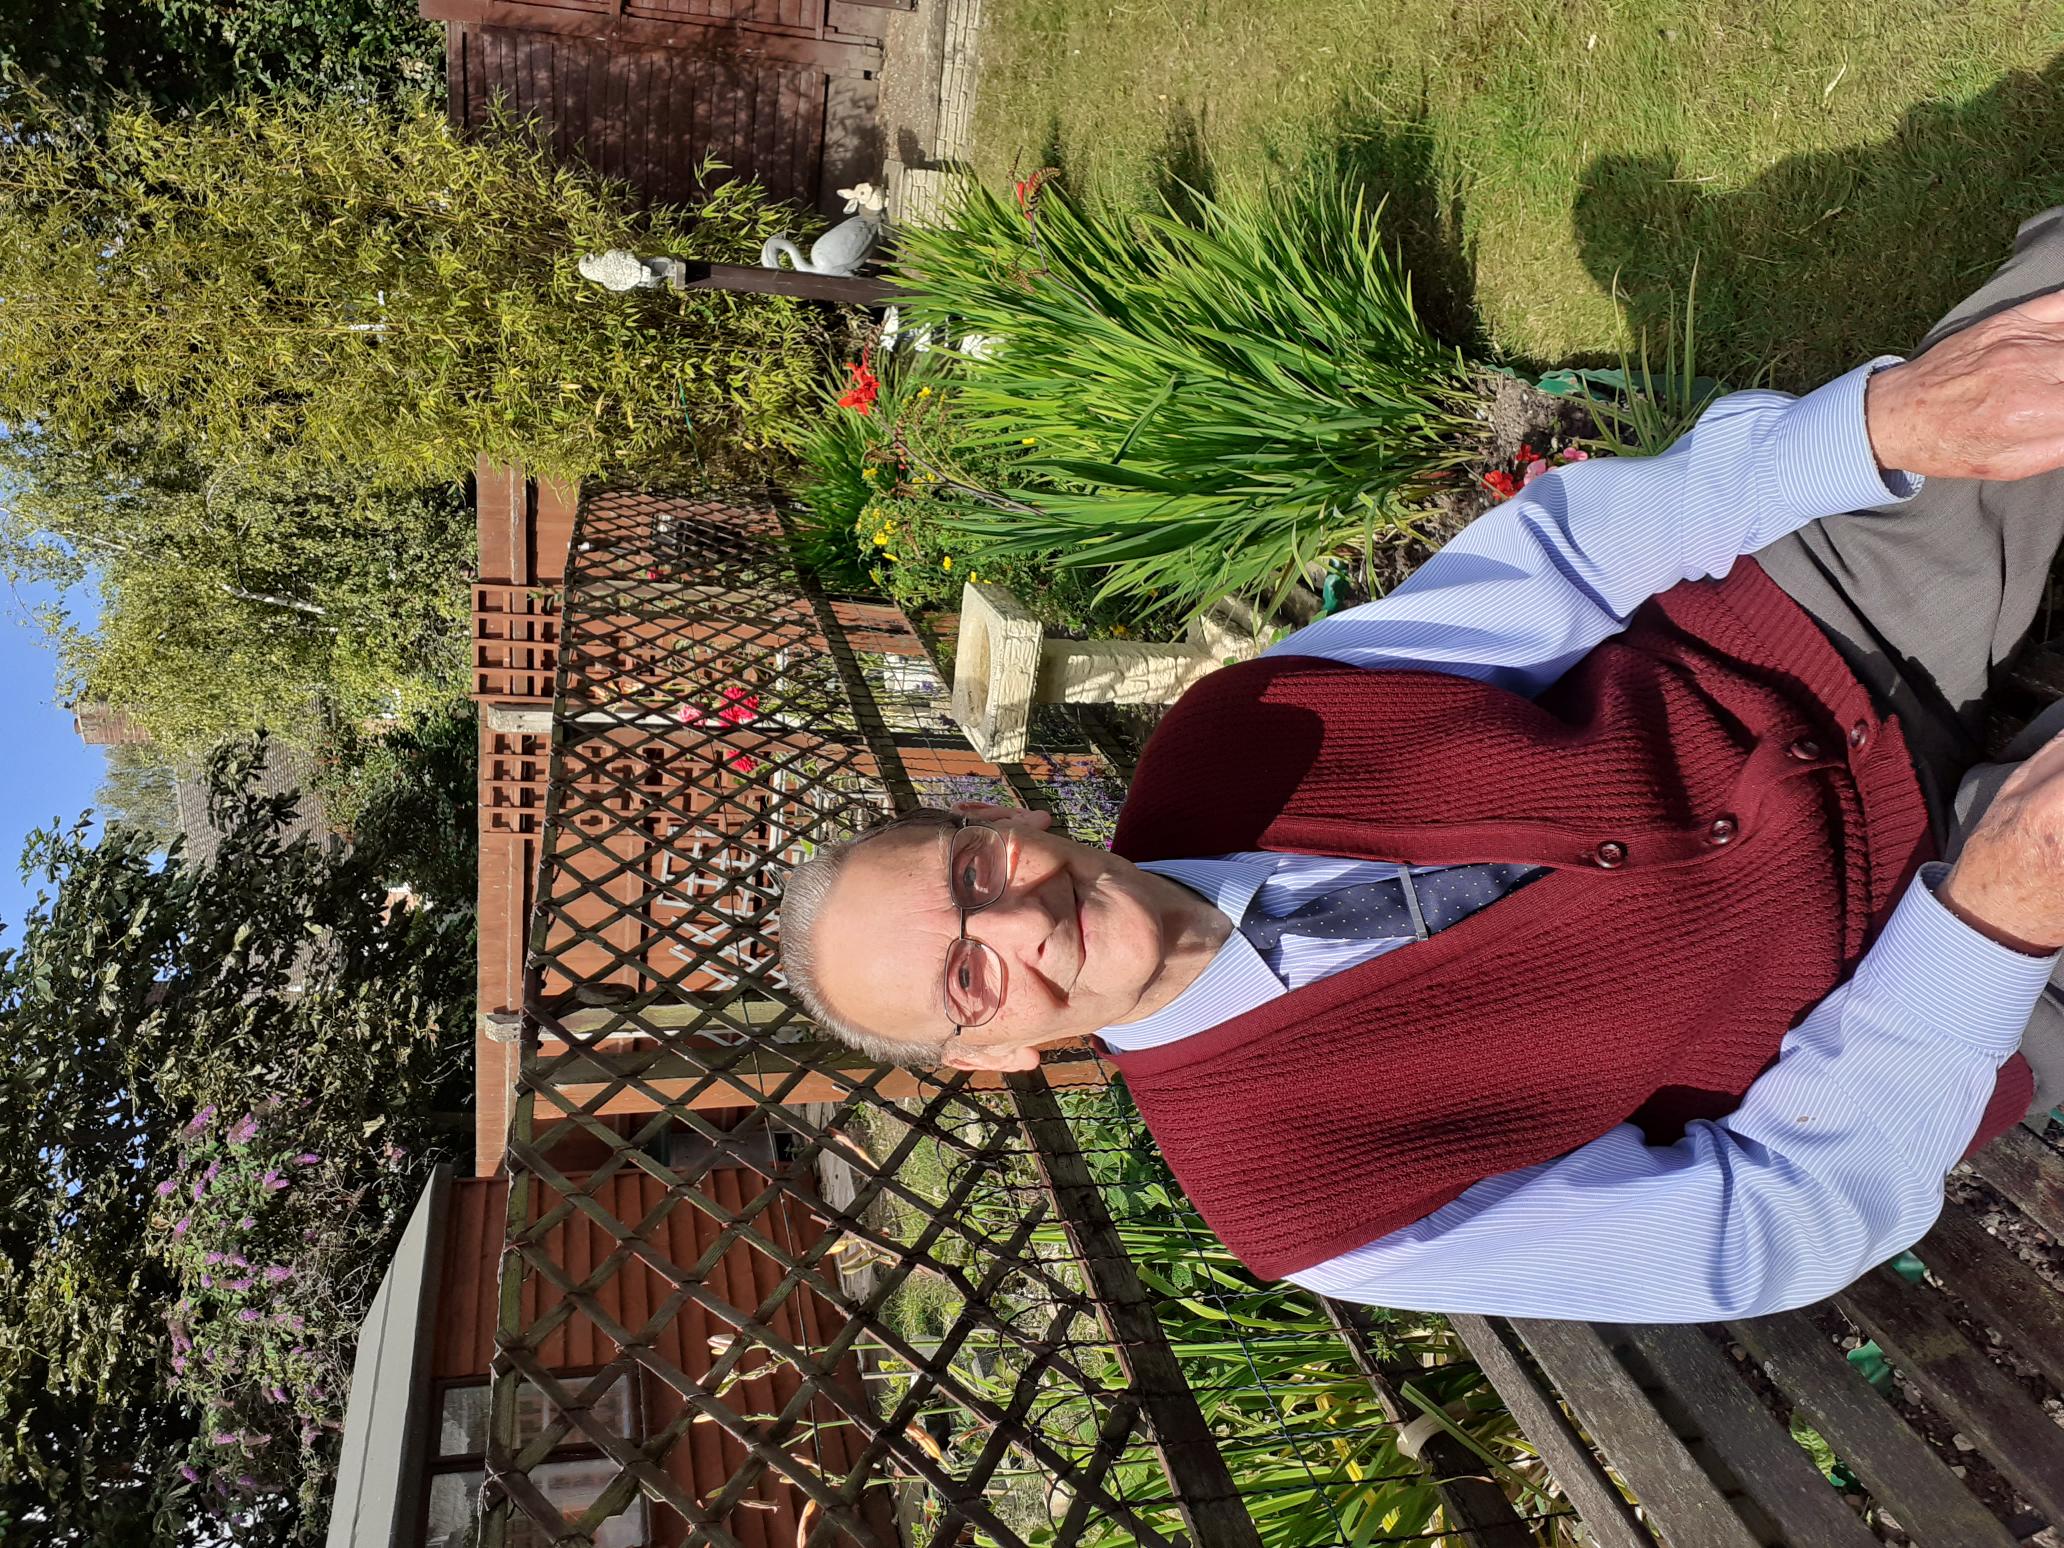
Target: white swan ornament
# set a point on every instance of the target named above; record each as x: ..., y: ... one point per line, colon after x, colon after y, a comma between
x: 843, y: 248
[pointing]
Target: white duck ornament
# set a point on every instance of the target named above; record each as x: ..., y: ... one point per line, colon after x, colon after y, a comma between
x: 843, y: 248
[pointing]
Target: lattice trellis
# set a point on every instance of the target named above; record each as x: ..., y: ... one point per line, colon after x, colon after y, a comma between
x: 755, y: 1223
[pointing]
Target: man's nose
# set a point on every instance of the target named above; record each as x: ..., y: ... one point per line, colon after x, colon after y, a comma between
x: 1016, y: 924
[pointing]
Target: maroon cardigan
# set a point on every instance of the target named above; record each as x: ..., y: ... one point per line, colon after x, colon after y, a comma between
x: 1726, y: 819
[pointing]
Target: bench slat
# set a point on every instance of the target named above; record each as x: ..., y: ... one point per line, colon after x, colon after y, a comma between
x: 1769, y: 1466
x: 1912, y: 1325
x: 1866, y: 1432
x: 2028, y: 1171
x: 1982, y: 1272
x: 1607, y: 1517
x: 1687, y: 1506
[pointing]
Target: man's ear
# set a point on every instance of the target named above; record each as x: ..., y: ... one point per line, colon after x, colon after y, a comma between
x: 1017, y: 815
x: 980, y: 1058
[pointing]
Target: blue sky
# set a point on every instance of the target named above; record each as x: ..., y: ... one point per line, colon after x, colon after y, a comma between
x: 45, y: 771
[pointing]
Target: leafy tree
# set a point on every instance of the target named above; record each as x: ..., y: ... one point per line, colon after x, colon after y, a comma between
x: 294, y: 284
x: 140, y: 789
x: 406, y: 796
x: 180, y: 53
x: 241, y: 599
x: 245, y: 1058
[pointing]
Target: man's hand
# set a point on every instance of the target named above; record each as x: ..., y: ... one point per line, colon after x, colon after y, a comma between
x: 1986, y: 402
x: 2008, y: 883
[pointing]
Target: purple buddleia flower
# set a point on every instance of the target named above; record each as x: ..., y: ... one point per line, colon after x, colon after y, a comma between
x: 168, y: 1187
x: 308, y: 1158
x: 246, y: 1223
x: 202, y: 1119
x: 278, y: 1273
x: 189, y: 1472
x: 207, y: 1281
x: 250, y: 1314
x: 211, y: 1257
x: 239, y: 1260
x: 179, y: 1229
x: 244, y: 1130
x: 246, y: 1481
x: 273, y: 1182
x: 227, y: 1438
x: 277, y: 1394
x: 179, y: 1365
x: 239, y: 1285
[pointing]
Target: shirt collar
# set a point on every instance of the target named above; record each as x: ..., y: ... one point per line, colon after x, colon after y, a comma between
x: 1233, y: 982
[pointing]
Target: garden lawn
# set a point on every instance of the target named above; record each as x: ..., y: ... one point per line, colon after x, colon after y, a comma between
x: 1842, y: 173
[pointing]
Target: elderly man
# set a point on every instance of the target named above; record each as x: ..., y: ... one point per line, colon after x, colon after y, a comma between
x: 1560, y: 935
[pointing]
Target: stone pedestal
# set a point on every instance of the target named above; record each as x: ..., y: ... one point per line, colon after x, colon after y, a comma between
x: 1005, y: 665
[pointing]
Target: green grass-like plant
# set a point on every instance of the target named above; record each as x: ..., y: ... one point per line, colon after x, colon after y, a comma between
x: 1205, y: 407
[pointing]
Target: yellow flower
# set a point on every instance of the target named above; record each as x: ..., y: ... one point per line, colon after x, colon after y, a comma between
x: 924, y: 392
x: 946, y: 563
x: 881, y: 540
x: 1029, y: 441
x: 869, y: 472
x: 888, y: 556
x: 1121, y: 631
x: 974, y: 575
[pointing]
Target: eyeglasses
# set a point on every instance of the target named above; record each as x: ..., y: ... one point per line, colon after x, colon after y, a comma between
x: 978, y: 867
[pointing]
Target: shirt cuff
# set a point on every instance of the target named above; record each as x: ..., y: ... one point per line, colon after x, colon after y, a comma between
x: 1820, y: 456
x: 1935, y: 968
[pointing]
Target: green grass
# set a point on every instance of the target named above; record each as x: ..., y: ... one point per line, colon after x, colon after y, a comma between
x: 1842, y: 173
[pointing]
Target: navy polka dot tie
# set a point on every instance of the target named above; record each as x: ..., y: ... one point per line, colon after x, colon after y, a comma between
x: 1379, y: 910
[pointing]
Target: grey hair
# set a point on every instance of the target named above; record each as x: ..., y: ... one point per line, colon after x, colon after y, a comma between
x: 803, y: 897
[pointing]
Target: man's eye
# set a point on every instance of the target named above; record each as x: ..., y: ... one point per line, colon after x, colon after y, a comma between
x: 964, y: 975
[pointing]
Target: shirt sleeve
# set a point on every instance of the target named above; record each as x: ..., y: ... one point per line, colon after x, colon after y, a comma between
x: 1833, y: 1162
x: 1519, y: 595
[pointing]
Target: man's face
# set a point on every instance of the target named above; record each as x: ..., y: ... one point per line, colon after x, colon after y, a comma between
x: 1079, y: 931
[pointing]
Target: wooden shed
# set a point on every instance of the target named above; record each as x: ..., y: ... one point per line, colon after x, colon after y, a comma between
x: 415, y: 1442
x: 783, y: 91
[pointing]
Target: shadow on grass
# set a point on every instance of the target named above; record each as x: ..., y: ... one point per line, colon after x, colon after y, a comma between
x: 1831, y: 257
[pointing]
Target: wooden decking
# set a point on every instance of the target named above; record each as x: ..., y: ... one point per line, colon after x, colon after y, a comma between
x: 1684, y: 1415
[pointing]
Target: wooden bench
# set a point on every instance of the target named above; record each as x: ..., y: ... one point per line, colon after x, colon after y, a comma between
x: 1681, y: 1414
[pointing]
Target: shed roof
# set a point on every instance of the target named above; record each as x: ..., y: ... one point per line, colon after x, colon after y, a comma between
x: 374, y: 1495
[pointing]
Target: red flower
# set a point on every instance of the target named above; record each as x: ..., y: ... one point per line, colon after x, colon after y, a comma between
x: 1503, y: 483
x: 742, y: 762
x: 866, y: 387
x: 739, y: 706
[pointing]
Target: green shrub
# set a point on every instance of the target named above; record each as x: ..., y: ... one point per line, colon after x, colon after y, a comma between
x: 893, y: 498
x: 1210, y: 406
x: 406, y: 797
x: 327, y: 284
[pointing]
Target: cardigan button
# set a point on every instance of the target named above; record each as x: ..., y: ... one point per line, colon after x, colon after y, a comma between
x: 1859, y: 734
x: 1722, y: 831
x: 1805, y: 749
x: 1609, y: 856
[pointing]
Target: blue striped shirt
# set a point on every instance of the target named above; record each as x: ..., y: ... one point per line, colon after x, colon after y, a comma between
x: 1834, y: 1161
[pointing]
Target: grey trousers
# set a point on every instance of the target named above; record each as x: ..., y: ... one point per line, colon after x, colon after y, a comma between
x: 1931, y: 599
